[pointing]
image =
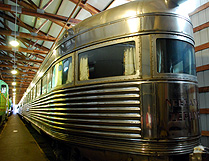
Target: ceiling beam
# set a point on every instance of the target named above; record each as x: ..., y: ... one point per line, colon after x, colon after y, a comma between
x: 202, y: 68
x: 21, y: 60
x: 20, y: 49
x: 26, y: 35
x: 20, y: 54
x: 8, y: 79
x: 204, y: 6
x: 28, y: 77
x: 59, y: 6
x: 33, y: 4
x: 20, y: 23
x: 201, y: 27
x: 19, y: 88
x: 19, y: 66
x: 17, y: 93
x: 65, y: 24
x: 24, y: 4
x: 19, y: 75
x: 18, y: 85
x: 38, y: 13
x: 17, y: 81
x: 19, y: 72
x: 47, y: 4
x: 87, y: 7
x: 2, y: 40
x: 24, y: 40
x: 202, y: 47
x: 30, y: 42
x: 35, y: 9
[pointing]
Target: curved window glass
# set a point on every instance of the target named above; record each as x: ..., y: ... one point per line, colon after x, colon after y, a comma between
x: 49, y: 80
x: 62, y: 72
x: 38, y: 88
x: 57, y: 74
x: 67, y: 71
x: 44, y: 84
x: 3, y: 88
x: 108, y: 61
x: 175, y: 56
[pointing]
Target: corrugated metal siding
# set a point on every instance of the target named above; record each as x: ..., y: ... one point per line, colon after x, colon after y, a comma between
x: 104, y: 111
x: 202, y: 58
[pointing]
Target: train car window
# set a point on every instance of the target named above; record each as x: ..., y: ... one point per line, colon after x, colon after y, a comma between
x: 30, y: 96
x: 34, y: 92
x: 67, y: 72
x: 108, y: 61
x: 175, y: 56
x: 3, y: 88
x: 49, y: 81
x: 27, y: 98
x: 53, y: 76
x: 57, y: 74
x: 44, y: 84
x: 39, y: 88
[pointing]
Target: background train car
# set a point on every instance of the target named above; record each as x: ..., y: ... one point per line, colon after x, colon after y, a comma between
x: 122, y: 81
x: 5, y: 104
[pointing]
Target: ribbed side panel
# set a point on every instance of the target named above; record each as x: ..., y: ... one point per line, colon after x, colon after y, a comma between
x: 102, y: 111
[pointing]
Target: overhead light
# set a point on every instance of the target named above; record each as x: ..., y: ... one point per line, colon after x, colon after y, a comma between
x: 14, y: 71
x: 14, y: 93
x: 14, y: 89
x: 14, y: 43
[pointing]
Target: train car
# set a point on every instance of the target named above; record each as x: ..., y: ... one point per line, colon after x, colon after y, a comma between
x: 4, y: 101
x: 122, y: 81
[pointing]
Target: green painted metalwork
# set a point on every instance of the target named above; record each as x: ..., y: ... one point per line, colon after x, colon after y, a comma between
x: 4, y: 101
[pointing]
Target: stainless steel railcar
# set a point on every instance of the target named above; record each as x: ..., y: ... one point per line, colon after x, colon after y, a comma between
x: 123, y: 80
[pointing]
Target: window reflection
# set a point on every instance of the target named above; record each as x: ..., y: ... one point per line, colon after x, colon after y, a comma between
x: 114, y: 60
x: 39, y: 88
x: 62, y: 72
x: 175, y: 56
x: 49, y: 81
x: 67, y: 71
x: 44, y: 84
x: 3, y: 88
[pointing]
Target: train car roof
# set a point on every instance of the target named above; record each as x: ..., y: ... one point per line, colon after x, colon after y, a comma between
x: 128, y: 10
x: 131, y: 9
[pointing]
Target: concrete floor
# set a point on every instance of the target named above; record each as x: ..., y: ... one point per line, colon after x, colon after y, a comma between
x: 17, y: 144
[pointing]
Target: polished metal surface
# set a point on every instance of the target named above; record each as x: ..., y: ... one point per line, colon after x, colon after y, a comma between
x: 135, y: 18
x: 101, y: 111
x: 109, y: 117
x: 148, y: 113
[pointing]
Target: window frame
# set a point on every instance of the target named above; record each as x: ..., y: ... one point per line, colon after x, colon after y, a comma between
x: 42, y: 83
x: 49, y: 78
x: 5, y: 87
x: 39, y: 81
x: 73, y: 74
x: 155, y: 73
x: 137, y: 41
x: 34, y: 92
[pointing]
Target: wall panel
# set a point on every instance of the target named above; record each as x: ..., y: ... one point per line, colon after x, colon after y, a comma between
x: 202, y: 58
